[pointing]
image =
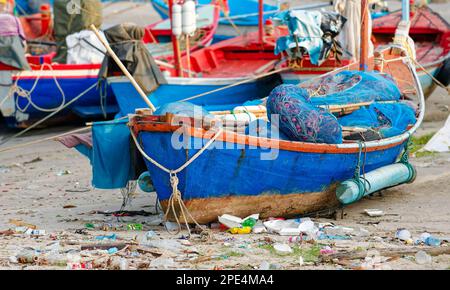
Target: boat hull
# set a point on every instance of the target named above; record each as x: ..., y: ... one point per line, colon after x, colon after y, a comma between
x: 236, y: 181
x: 180, y: 88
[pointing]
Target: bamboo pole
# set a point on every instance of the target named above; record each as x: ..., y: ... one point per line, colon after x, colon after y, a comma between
x: 188, y: 55
x: 123, y: 68
x: 364, y: 53
x: 260, y: 21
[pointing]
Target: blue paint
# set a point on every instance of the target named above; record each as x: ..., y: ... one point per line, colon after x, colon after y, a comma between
x: 240, y: 171
x: 129, y: 100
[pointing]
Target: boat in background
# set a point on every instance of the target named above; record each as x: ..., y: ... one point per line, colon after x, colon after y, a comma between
x: 49, y: 86
x: 38, y: 26
x: 158, y: 35
x: 222, y: 64
x: 242, y: 14
x: 431, y: 35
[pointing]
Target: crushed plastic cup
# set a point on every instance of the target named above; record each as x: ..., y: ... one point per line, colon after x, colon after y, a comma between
x: 230, y: 221
x: 259, y: 228
x: 162, y: 262
x: 112, y: 237
x: 264, y: 266
x: 112, y: 250
x: 423, y: 258
x: 276, y: 225
x: 403, y: 235
x: 282, y: 249
x: 306, y: 226
x: 432, y: 241
x: 150, y: 235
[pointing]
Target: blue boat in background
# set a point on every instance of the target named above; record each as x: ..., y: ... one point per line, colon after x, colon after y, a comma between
x: 179, y: 89
x: 49, y: 87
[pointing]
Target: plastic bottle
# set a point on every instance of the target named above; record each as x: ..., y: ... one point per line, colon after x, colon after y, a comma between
x: 250, y: 222
x: 432, y: 241
x: 423, y: 258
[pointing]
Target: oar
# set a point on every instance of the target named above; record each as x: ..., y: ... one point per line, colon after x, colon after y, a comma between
x: 123, y: 68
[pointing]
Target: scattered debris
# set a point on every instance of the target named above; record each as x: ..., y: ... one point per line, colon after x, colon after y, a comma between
x: 374, y: 212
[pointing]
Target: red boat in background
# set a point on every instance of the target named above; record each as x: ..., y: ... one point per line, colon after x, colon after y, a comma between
x: 431, y: 35
x: 39, y: 25
x: 158, y: 35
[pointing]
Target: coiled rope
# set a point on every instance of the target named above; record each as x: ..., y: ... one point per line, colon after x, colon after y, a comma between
x: 176, y: 198
x: 23, y: 93
x: 49, y: 115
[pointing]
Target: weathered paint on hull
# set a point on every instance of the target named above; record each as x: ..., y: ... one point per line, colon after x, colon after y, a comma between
x: 294, y: 182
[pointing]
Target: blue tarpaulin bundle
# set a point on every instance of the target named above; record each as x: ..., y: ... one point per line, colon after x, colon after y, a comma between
x: 304, y: 31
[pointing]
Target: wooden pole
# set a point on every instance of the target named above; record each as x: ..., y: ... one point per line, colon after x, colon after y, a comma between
x: 364, y: 53
x: 261, y: 21
x: 188, y: 55
x: 175, y: 44
x: 123, y: 68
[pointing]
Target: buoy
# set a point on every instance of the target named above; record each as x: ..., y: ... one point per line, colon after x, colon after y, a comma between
x: 176, y: 20
x: 189, y: 18
x: 351, y: 190
x: 145, y: 182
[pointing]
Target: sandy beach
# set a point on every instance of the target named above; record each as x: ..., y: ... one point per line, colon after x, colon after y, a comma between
x: 49, y: 186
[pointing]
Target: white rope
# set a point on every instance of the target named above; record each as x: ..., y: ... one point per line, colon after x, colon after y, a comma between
x: 3, y: 141
x: 176, y: 198
x: 179, y: 169
x: 23, y: 93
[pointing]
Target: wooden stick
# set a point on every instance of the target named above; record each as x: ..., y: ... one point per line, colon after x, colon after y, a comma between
x: 123, y: 68
x: 188, y: 55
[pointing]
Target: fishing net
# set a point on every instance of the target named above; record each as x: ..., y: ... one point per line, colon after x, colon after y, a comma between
x: 387, y: 119
x: 299, y: 119
x: 352, y: 87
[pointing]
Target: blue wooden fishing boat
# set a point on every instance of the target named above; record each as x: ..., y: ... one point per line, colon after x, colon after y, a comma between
x: 221, y: 171
x: 50, y: 87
